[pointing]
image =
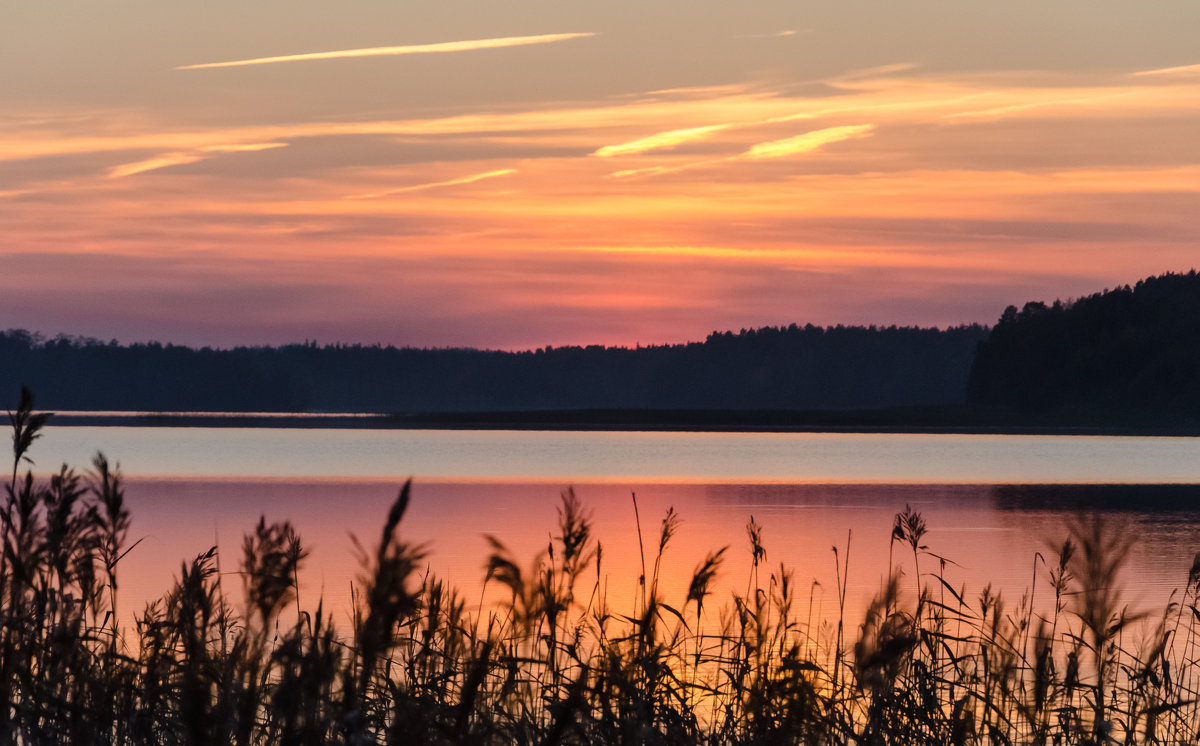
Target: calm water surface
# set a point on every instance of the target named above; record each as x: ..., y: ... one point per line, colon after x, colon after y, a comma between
x: 752, y: 458
x: 991, y: 502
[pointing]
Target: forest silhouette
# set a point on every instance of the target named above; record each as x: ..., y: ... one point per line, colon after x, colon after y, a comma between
x: 1126, y: 357
x: 796, y: 368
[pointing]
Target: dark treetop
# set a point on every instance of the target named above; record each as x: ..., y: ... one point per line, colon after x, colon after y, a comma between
x: 1130, y: 355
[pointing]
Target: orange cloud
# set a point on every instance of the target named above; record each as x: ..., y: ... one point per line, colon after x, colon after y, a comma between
x: 807, y: 142
x: 703, y: 114
x: 662, y: 140
x: 152, y: 164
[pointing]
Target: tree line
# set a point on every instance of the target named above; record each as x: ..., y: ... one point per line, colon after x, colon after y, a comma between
x: 793, y: 367
x: 1129, y: 355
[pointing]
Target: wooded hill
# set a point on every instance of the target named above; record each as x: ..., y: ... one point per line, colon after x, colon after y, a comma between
x: 1129, y: 355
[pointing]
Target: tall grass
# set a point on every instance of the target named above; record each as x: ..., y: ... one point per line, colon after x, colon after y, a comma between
x: 558, y: 659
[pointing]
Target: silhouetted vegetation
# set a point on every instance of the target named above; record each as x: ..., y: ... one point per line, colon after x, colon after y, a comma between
x: 811, y: 368
x: 1122, y: 358
x: 557, y: 659
x: 1131, y: 354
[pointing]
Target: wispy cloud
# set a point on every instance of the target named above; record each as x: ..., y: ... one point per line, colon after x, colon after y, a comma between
x: 804, y: 143
x: 871, y: 73
x: 1181, y: 70
x: 1012, y: 109
x: 672, y: 138
x: 771, y: 35
x: 436, y: 184
x: 153, y: 164
x: 438, y: 48
x: 576, y: 125
x: 807, y: 142
x: 184, y: 157
x: 661, y: 170
x: 661, y: 140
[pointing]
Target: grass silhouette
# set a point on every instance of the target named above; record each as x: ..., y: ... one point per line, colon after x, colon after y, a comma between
x: 556, y: 659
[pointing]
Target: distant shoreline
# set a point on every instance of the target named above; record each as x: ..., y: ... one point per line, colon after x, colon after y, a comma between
x: 936, y: 420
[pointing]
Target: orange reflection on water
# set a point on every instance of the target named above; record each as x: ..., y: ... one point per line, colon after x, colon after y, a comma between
x: 989, y: 535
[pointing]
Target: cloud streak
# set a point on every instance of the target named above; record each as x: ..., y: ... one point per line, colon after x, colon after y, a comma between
x: 805, y: 143
x: 1182, y: 70
x: 438, y: 48
x: 698, y: 113
x: 436, y: 184
x: 662, y: 140
x: 771, y: 35
x: 673, y: 138
x: 183, y: 158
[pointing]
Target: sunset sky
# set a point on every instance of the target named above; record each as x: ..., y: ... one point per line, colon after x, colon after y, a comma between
x: 517, y: 174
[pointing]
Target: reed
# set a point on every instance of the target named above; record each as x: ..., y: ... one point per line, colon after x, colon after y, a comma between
x: 557, y: 659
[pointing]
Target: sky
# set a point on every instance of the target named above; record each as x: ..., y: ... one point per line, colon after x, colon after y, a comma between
x: 529, y: 173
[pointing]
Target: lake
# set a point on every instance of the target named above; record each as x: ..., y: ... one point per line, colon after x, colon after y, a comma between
x: 992, y: 502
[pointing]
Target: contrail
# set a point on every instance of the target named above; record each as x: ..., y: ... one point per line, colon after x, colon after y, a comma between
x: 432, y: 185
x: 441, y: 47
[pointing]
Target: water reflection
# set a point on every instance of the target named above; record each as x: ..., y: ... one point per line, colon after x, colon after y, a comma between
x: 1110, y: 498
x: 985, y: 533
